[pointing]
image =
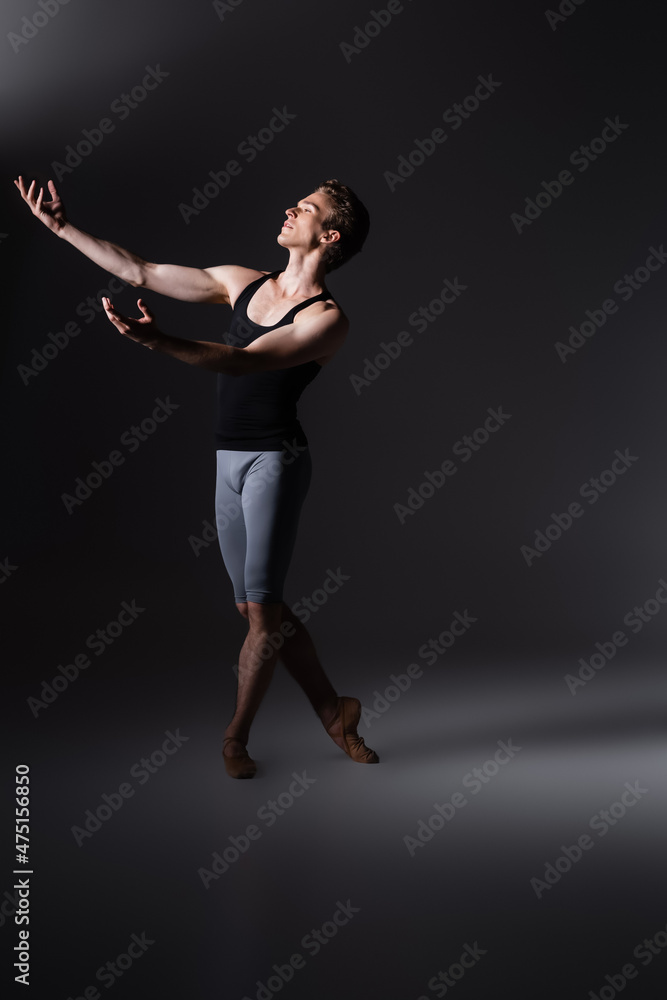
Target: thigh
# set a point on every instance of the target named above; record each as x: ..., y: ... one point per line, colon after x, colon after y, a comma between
x: 273, y: 493
x: 229, y: 519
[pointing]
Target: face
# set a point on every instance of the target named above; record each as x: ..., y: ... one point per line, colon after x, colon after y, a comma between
x: 303, y: 225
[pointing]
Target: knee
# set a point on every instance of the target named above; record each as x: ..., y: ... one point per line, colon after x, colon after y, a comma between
x: 243, y: 610
x: 264, y: 618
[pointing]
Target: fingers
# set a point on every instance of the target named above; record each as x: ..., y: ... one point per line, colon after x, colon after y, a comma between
x: 21, y: 186
x: 29, y: 194
x: 114, y: 316
x: 111, y: 310
x: 134, y: 329
x: 26, y: 195
x: 119, y: 321
x: 145, y: 310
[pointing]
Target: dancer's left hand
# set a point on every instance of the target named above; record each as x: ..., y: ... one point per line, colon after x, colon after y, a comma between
x: 143, y: 331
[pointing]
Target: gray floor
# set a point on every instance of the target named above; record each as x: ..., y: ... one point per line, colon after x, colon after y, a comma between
x: 233, y: 893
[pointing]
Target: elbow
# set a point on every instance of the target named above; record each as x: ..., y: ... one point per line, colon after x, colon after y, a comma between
x: 139, y: 275
x: 233, y: 361
x: 243, y: 362
x: 137, y: 279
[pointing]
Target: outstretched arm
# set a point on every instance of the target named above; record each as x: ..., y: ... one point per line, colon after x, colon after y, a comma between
x: 190, y: 284
x: 294, y: 344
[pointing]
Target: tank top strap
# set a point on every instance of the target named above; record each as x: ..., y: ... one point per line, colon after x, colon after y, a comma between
x: 315, y: 298
x: 250, y: 290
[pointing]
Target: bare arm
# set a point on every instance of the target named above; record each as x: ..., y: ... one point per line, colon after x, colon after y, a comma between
x: 290, y: 345
x: 190, y: 284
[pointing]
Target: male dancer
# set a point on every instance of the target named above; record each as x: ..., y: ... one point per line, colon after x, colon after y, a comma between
x: 290, y: 327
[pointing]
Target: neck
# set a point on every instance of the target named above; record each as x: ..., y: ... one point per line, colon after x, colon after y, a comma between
x: 304, y: 275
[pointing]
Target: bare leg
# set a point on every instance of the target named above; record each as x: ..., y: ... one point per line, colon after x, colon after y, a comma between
x: 300, y: 659
x: 257, y: 661
x: 339, y: 716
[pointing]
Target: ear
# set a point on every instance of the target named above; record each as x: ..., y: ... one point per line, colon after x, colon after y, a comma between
x: 333, y: 236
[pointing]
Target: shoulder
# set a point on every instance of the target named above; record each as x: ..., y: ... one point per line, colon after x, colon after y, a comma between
x: 234, y: 278
x: 329, y: 308
x: 326, y: 324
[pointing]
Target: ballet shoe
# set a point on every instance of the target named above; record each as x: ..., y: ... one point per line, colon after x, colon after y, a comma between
x: 343, y: 731
x: 242, y: 766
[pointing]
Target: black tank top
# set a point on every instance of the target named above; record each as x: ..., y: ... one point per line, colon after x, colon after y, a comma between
x: 257, y: 412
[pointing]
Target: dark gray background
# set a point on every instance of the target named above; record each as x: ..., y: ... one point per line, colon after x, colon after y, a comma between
x: 494, y: 347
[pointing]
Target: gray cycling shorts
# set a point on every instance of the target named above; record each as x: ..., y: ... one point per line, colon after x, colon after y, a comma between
x: 258, y: 500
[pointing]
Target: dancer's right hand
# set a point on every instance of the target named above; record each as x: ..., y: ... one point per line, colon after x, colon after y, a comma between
x: 51, y: 213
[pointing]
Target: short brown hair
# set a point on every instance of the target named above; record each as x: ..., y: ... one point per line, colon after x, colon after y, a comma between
x: 349, y: 216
